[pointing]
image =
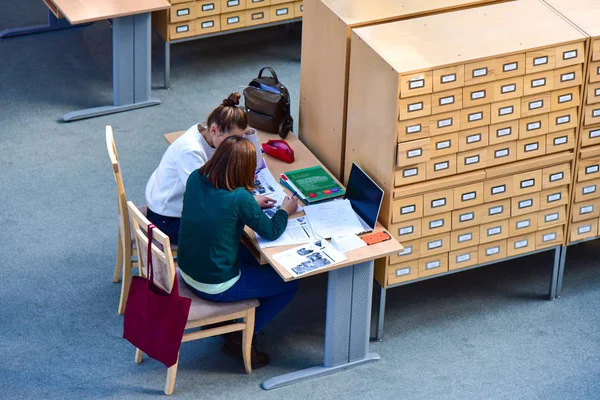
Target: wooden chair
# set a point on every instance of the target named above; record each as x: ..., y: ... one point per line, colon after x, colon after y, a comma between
x: 202, y: 312
x: 126, y: 242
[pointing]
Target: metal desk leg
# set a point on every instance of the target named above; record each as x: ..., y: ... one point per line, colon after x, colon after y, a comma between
x: 555, y: 268
x: 54, y: 24
x: 380, y: 313
x: 131, y: 68
x: 347, y: 326
x: 561, y: 271
x: 167, y: 64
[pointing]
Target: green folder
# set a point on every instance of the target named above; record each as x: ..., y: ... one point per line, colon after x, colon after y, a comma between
x: 312, y: 184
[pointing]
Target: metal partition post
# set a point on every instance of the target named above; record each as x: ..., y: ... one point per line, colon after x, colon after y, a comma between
x: 555, y: 270
x: 561, y: 270
x: 167, y: 64
x: 380, y: 313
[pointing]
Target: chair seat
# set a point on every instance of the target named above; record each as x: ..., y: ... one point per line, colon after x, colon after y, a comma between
x: 203, y: 309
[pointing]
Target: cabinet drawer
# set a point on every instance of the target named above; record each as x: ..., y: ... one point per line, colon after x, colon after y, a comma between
x: 413, y: 152
x: 441, y: 166
x: 473, y: 138
x: 416, y: 84
x: 492, y: 251
x: 468, y: 196
x: 412, y: 251
x: 411, y: 174
x: 438, y: 202
x: 593, y: 96
x: 590, y: 136
x: 407, y: 209
x: 592, y: 114
x: 522, y: 225
x: 229, y: 6
x: 282, y: 12
x: 206, y: 8
x: 233, y: 20
x: 407, y: 230
x: 540, y: 60
x: 475, y: 117
x: 450, y: 100
x: 506, y: 89
x: 414, y: 129
x: 527, y: 182
x: 509, y: 66
x: 563, y: 119
x: 496, y: 211
x: 208, y: 25
x: 564, y: 98
x: 560, y: 141
x: 480, y: 72
x: 596, y: 50
x: 414, y: 107
x: 533, y: 126
x: 258, y: 3
x: 462, y: 258
x: 588, y: 169
x: 497, y: 189
x: 298, y: 9
x: 536, y: 104
x: 182, y: 30
x: 502, y: 153
x: 434, y: 265
x: 493, y: 231
x: 477, y: 95
x: 570, y: 54
x: 549, y: 237
x: 436, y: 224
x: 443, y: 145
x: 448, y: 78
x: 504, y: 132
x: 556, y: 176
x: 586, y: 210
x: 444, y: 123
x: 532, y: 147
x: 538, y: 83
x: 183, y: 12
x: 588, y: 190
x: 433, y: 245
x: 257, y: 16
x: 552, y: 217
x: 406, y: 271
x: 463, y: 238
x: 554, y: 197
x: 525, y: 204
x: 471, y: 160
x: 567, y: 77
x: 584, y: 230
x: 594, y: 72
x: 466, y: 217
x: 505, y: 111
x: 520, y: 245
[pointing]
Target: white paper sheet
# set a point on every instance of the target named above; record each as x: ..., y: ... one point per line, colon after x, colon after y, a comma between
x: 333, y: 218
x: 278, y: 197
x: 310, y: 257
x: 298, y: 231
x: 347, y: 243
x: 265, y: 183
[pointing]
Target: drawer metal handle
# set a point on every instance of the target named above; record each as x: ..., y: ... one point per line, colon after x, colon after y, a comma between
x: 413, y: 129
x: 592, y: 169
x: 584, y: 229
x: 438, y: 203
x: 406, y: 251
x: 233, y: 20
x: 503, y: 132
x: 548, y: 237
x: 492, y: 250
x: 467, y: 217
x: 523, y: 224
x: 589, y: 189
x: 527, y: 183
x: 536, y: 104
x: 446, y: 100
x: 471, y: 160
x: 496, y: 210
x: 415, y: 107
x: 282, y: 11
x: 525, y: 203
x: 410, y: 172
x: 565, y: 98
x: 586, y: 210
x: 499, y: 189
x: 563, y: 120
x: 448, y: 78
x: 561, y: 140
x: 465, y: 237
x: 474, y: 138
x: 480, y: 72
x: 540, y: 61
x: 567, y: 77
x: 414, y: 153
x: 444, y: 122
x: 557, y: 177
x: 233, y: 3
x: 509, y: 88
x: 554, y: 197
x: 441, y: 166
x: 416, y: 83
x: 480, y: 94
x: 510, y: 67
x: 208, y: 24
x: 494, y: 231
x: 569, y: 54
x: 531, y: 147
x: 594, y: 133
x: 551, y: 217
x: 506, y: 110
x: 436, y: 224
x: 406, y: 231
x: 408, y: 209
x: 538, y: 82
x: 258, y: 15
x: 400, y: 271
x: 501, y: 153
x: 183, y: 28
x: 208, y: 7
x: 521, y: 243
x: 463, y: 257
x: 475, y: 116
x: 532, y: 126
x: 443, y: 145
x: 433, y: 264
x: 183, y: 11
x: 435, y: 244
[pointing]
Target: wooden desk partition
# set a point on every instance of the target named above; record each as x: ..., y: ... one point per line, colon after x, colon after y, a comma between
x: 85, y: 11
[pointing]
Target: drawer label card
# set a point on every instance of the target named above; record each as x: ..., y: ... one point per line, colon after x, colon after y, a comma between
x: 463, y: 257
x: 527, y: 183
x: 475, y: 116
x: 448, y: 78
x: 563, y: 120
x: 506, y: 110
x: 208, y: 24
x: 548, y: 237
x: 510, y: 67
x: 499, y: 189
x: 183, y: 11
x: 408, y: 209
x: 480, y: 72
x: 538, y: 82
x: 441, y: 166
x: 467, y: 217
x: 406, y: 231
x: 415, y: 107
x: 471, y: 160
x: 560, y: 140
x: 492, y: 250
x: 494, y: 231
x: 565, y: 98
x: 597, y: 92
x: 501, y: 153
x: 496, y: 210
x: 469, y: 196
x: 413, y: 129
x: 584, y: 229
x: 183, y: 28
x: 438, y: 203
x: 596, y: 113
x: 595, y: 134
x: 233, y: 3
x: 525, y: 203
x: 531, y: 147
x: 474, y: 138
x: 567, y: 77
x: 534, y: 125
x: 540, y: 61
x: 465, y: 238
x: 414, y: 153
x: 410, y: 172
x: 257, y: 1
x: 554, y: 197
x: 233, y: 20
x: 436, y: 224
x: 589, y: 189
x: 433, y: 265
x: 551, y: 217
x: 443, y: 145
x: 598, y: 71
x: 284, y: 11
x: 446, y: 100
x: 416, y: 83
x: 509, y: 88
x: 586, y: 209
x: 536, y: 104
x: 523, y: 224
x: 444, y: 122
x: 592, y: 169
x: 208, y: 7
x: 569, y: 54
x: 503, y: 132
x: 521, y: 243
x: 557, y: 177
x: 435, y: 244
x: 478, y: 95
x: 406, y: 251
x: 403, y: 271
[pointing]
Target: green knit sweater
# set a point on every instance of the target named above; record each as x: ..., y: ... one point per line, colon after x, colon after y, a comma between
x: 212, y: 224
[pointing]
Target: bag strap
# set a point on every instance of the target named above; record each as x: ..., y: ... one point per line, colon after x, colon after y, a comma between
x: 271, y: 70
x: 149, y: 254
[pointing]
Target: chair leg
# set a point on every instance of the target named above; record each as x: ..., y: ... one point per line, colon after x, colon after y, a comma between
x: 119, y: 263
x: 247, y: 336
x: 171, y: 375
x: 127, y: 265
x: 139, y: 356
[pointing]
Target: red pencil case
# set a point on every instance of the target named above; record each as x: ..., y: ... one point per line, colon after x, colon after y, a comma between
x: 279, y: 149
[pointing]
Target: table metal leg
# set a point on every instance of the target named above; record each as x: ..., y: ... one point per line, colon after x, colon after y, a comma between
x: 54, y: 24
x: 380, y: 313
x: 561, y: 270
x: 347, y: 326
x: 131, y: 68
x: 167, y: 64
x: 555, y: 268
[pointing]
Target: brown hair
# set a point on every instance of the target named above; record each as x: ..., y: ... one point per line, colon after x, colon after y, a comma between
x: 228, y: 115
x: 233, y: 165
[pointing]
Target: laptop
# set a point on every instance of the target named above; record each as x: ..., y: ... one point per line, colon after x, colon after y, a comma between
x: 365, y: 197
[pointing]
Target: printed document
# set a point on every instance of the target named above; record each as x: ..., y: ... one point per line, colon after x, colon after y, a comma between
x: 298, y: 231
x: 278, y: 197
x: 309, y: 257
x: 334, y: 218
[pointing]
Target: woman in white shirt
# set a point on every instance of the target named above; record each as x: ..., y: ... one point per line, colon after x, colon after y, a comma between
x: 165, y: 188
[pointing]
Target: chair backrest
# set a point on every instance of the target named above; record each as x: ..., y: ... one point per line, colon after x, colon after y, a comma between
x: 124, y: 227
x: 163, y: 269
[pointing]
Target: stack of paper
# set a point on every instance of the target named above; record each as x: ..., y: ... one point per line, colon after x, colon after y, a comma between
x: 334, y: 218
x: 298, y: 231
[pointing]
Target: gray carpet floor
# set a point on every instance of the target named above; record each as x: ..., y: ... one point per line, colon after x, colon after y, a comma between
x: 481, y: 334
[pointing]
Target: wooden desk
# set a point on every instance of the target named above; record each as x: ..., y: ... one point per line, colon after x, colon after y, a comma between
x: 349, y: 289
x: 131, y: 33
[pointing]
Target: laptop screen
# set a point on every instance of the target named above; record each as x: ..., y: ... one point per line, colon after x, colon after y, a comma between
x: 364, y: 195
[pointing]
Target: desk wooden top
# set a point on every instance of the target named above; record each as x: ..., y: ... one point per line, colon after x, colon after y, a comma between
x: 583, y: 13
x: 303, y: 159
x: 84, y: 11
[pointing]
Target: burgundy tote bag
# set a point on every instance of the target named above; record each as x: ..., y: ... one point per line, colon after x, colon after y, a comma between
x: 155, y: 320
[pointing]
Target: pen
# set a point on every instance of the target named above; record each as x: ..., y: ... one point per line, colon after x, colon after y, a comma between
x: 294, y: 194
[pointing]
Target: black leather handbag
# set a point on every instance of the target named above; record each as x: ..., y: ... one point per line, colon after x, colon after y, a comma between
x: 267, y: 103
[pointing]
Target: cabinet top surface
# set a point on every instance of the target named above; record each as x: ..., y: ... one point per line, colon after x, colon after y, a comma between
x: 462, y: 36
x: 583, y: 13
x: 83, y: 11
x: 361, y: 12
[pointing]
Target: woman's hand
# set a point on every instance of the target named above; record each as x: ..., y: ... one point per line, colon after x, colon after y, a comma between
x: 264, y: 201
x: 290, y: 204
